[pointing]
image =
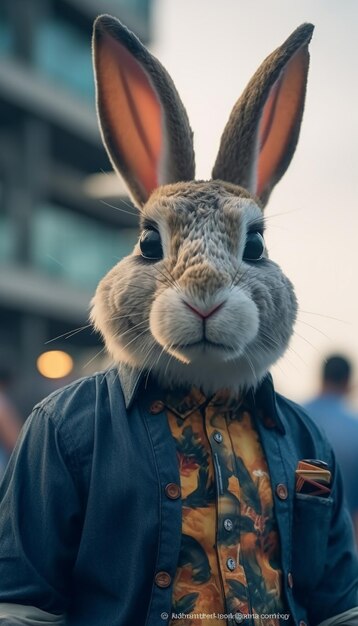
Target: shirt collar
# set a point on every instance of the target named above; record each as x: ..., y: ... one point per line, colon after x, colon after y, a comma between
x: 262, y: 400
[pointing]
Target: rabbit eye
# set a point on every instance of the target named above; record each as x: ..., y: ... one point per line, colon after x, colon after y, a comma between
x: 255, y: 247
x: 150, y: 244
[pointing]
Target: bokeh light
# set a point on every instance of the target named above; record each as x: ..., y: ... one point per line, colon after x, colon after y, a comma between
x: 54, y: 364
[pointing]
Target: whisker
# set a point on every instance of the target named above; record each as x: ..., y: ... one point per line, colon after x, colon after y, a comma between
x: 119, y: 317
x: 94, y: 357
x: 306, y: 340
x: 291, y: 349
x: 170, y: 280
x: 119, y: 209
x: 298, y: 356
x: 250, y: 364
x: 70, y: 333
x: 135, y: 338
x: 132, y: 285
x: 273, y: 341
x: 175, y: 282
x: 318, y: 330
x: 169, y: 360
x: 269, y: 217
x: 115, y: 378
x: 279, y: 366
x: 153, y: 364
x: 129, y: 330
x: 329, y: 317
x: 237, y: 282
x: 166, y: 280
x: 111, y: 366
x: 235, y: 275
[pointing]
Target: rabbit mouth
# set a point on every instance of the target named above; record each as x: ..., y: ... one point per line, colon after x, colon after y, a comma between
x: 204, y: 343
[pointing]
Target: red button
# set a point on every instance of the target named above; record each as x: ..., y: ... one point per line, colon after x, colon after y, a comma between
x: 172, y: 490
x: 290, y: 580
x: 282, y: 491
x: 156, y: 407
x: 162, y: 579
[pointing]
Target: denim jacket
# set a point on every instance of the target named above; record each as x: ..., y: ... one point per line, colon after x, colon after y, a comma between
x: 87, y: 528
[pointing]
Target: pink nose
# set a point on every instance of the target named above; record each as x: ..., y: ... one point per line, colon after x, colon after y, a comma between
x: 204, y: 314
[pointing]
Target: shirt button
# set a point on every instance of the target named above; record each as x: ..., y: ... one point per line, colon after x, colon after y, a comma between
x: 228, y: 524
x: 172, y: 490
x: 302, y: 623
x: 218, y: 436
x: 290, y: 580
x: 231, y: 564
x: 156, y: 407
x: 282, y: 491
x: 238, y: 618
x: 162, y: 579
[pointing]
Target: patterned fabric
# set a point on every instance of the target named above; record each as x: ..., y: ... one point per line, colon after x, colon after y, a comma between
x: 230, y: 555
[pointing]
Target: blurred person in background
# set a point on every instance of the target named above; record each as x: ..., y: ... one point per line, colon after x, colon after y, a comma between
x: 10, y: 422
x: 331, y: 411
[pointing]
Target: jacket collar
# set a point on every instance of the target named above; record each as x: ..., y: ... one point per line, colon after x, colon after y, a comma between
x: 261, y: 400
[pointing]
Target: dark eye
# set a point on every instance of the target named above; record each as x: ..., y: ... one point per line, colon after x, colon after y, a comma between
x: 151, y: 245
x: 254, y: 248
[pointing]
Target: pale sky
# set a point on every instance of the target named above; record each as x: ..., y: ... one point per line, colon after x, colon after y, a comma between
x: 211, y: 48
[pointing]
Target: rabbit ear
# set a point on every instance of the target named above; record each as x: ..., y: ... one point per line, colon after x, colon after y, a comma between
x: 262, y: 132
x: 144, y: 125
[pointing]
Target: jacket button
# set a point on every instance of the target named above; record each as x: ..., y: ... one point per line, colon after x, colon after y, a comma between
x: 162, y: 579
x: 156, y: 407
x: 282, y: 491
x: 172, y: 490
x: 290, y: 580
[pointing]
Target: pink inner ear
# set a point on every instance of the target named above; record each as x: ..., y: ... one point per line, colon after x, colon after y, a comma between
x: 132, y: 113
x: 268, y: 114
x: 279, y: 116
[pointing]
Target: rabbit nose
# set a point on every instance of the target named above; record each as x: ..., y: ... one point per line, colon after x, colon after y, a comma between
x: 204, y: 314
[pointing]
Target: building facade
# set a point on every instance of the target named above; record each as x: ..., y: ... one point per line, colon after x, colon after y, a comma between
x: 58, y: 234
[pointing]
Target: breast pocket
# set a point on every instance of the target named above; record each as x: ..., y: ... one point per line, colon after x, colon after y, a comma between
x: 311, y: 524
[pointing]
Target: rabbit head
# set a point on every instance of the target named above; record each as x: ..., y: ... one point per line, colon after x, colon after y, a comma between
x: 198, y: 301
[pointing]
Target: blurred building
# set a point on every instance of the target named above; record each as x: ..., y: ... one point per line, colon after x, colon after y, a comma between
x: 57, y: 237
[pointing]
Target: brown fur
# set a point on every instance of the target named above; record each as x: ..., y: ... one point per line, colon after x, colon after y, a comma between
x: 140, y: 307
x: 180, y: 164
x: 239, y: 140
x: 198, y: 189
x: 257, y: 144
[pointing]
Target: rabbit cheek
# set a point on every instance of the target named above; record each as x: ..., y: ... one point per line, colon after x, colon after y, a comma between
x: 238, y: 325
x: 170, y: 323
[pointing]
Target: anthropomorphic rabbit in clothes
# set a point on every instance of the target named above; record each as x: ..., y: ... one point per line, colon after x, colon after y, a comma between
x: 178, y: 488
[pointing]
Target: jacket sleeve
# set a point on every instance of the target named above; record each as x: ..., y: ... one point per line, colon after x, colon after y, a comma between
x: 348, y: 618
x: 40, y: 520
x: 337, y: 591
x: 22, y: 615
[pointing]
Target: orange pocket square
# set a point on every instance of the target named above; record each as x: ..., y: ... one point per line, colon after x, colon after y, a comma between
x: 313, y: 478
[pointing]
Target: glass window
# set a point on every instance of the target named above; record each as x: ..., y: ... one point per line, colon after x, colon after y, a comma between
x: 6, y: 33
x: 63, y: 52
x: 7, y: 232
x: 76, y: 248
x: 139, y: 7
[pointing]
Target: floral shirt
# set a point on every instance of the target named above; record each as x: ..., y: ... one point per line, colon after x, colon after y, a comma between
x: 230, y: 554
